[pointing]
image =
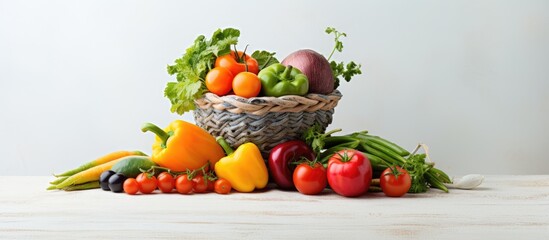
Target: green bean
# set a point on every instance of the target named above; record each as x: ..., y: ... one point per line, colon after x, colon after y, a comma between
x: 377, y: 163
x: 386, y: 151
x: 333, y: 141
x: 442, y: 176
x: 435, y: 182
x: 382, y: 155
x: 386, y: 143
x: 325, y: 156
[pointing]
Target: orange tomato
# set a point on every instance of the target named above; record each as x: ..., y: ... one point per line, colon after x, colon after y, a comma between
x: 246, y: 84
x: 219, y: 81
x: 235, y: 63
x: 131, y: 186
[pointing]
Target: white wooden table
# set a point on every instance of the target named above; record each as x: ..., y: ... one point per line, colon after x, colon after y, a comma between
x: 504, y: 207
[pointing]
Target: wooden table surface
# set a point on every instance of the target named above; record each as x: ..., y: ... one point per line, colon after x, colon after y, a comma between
x: 504, y: 207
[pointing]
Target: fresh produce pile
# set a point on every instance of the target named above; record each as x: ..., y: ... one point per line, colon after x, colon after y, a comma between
x: 186, y: 159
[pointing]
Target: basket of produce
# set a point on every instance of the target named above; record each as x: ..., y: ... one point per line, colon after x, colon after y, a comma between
x: 255, y: 98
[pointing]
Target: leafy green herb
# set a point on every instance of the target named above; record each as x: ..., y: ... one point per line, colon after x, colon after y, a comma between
x: 191, y: 68
x: 264, y: 58
x: 314, y: 136
x: 416, y: 167
x: 337, y: 35
x: 347, y: 71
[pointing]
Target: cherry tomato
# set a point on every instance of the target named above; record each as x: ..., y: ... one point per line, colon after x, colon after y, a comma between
x: 349, y: 173
x: 235, y: 63
x: 183, y: 185
x: 309, y: 179
x: 131, y: 186
x: 147, y: 184
x: 165, y: 182
x: 395, y: 182
x: 219, y: 81
x: 222, y: 186
x: 199, y: 184
x: 246, y: 84
x: 211, y: 186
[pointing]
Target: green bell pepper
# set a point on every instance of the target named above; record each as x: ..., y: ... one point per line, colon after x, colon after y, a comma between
x: 278, y: 80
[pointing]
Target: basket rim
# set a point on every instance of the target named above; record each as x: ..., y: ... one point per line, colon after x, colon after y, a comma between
x: 262, y: 105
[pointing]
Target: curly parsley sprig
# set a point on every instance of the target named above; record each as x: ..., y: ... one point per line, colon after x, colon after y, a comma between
x: 346, y: 71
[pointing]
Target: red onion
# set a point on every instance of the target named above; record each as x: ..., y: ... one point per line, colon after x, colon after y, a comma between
x: 315, y: 67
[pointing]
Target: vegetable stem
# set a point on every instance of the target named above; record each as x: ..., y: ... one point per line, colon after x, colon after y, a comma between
x: 332, y: 53
x: 225, y: 145
x: 415, y: 150
x: 236, y: 56
x: 243, y: 57
x: 287, y: 72
x: 332, y: 132
x: 158, y: 131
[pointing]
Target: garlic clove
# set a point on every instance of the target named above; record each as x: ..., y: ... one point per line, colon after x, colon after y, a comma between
x: 467, y: 182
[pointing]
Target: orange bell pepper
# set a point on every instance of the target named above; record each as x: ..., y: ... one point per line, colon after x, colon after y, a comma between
x: 183, y: 146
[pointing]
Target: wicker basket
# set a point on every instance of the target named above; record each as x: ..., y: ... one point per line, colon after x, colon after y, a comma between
x: 265, y: 121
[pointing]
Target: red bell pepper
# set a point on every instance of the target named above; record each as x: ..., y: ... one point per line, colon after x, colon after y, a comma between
x: 281, y: 158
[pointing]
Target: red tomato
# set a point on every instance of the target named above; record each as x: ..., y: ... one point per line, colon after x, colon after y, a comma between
x: 395, y: 182
x: 211, y: 186
x: 165, y: 182
x: 309, y: 179
x: 247, y: 85
x: 199, y: 184
x: 235, y: 63
x: 146, y: 184
x: 349, y: 173
x: 222, y: 186
x: 131, y: 186
x: 219, y: 81
x: 183, y: 184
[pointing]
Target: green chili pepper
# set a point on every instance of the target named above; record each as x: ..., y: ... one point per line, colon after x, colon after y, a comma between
x: 278, y: 80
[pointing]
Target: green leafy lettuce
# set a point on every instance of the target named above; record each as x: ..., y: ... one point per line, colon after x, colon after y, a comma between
x: 191, y: 69
x: 264, y: 58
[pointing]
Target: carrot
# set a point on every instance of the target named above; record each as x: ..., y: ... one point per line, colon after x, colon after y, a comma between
x: 104, y: 159
x: 58, y: 180
x: 88, y: 175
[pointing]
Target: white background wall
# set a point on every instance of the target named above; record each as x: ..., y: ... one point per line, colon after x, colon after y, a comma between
x: 469, y: 78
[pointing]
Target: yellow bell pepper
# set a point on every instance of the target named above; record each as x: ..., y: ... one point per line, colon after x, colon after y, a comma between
x: 244, y: 168
x: 183, y: 146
